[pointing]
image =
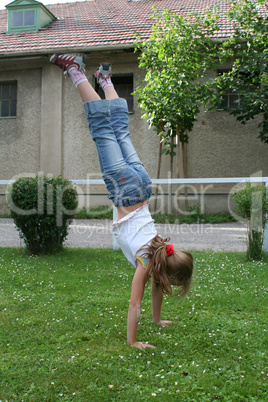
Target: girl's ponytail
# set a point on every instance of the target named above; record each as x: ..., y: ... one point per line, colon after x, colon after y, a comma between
x: 173, y: 269
x: 157, y: 263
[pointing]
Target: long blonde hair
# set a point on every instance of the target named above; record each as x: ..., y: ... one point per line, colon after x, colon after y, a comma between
x: 175, y: 269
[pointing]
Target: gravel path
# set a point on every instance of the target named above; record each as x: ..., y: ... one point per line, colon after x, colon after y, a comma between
x: 98, y: 233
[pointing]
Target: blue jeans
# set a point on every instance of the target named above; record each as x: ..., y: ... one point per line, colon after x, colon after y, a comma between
x: 125, y: 177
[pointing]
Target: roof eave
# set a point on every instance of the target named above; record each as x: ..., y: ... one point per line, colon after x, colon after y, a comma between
x: 81, y: 49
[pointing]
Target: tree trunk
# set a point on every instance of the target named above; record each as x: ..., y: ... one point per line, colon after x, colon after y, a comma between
x: 178, y: 162
x: 161, y: 127
x: 170, y: 176
x: 158, y: 174
x: 182, y: 165
x: 184, y: 158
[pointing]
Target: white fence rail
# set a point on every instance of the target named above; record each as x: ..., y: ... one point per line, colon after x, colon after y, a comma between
x: 177, y: 181
x: 169, y: 181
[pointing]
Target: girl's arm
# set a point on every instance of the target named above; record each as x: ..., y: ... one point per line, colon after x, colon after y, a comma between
x: 135, y: 307
x: 157, y: 298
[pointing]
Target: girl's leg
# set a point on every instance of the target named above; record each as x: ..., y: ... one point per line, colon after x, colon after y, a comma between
x: 97, y: 112
x: 87, y: 93
x: 119, y: 117
x: 99, y: 120
x: 124, y: 175
x: 120, y: 122
x: 124, y: 183
x: 98, y: 117
x: 110, y: 93
x: 120, y: 125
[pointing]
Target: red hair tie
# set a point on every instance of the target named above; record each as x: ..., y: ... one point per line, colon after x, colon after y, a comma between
x: 169, y: 249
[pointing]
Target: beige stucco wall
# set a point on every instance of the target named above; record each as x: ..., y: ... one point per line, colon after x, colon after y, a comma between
x: 220, y: 146
x: 20, y: 136
x: 50, y: 132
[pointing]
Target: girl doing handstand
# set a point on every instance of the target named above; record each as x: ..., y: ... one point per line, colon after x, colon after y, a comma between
x: 130, y: 188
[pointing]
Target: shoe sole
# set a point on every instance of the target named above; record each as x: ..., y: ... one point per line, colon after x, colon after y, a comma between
x: 105, y: 67
x: 83, y: 57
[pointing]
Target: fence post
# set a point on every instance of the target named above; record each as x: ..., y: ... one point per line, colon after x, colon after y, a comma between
x: 265, y: 233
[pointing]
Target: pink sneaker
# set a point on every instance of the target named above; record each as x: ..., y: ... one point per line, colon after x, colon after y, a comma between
x: 104, y: 71
x: 68, y: 60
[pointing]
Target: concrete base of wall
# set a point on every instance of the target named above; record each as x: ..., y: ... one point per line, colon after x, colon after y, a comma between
x: 218, y: 201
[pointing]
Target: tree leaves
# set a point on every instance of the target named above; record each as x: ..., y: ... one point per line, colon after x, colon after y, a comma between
x: 181, y: 51
x: 249, y: 75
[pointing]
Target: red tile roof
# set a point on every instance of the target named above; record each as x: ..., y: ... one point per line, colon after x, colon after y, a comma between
x: 96, y: 24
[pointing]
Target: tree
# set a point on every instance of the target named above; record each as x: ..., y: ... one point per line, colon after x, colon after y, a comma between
x: 176, y: 58
x: 248, y: 47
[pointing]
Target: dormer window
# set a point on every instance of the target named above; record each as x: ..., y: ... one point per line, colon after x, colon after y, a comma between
x: 23, y: 19
x: 28, y: 15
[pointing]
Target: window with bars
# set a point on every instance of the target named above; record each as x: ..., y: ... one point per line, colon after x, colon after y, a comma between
x: 123, y: 85
x: 231, y: 99
x: 8, y: 99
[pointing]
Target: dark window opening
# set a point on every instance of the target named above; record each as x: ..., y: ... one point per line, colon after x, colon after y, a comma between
x: 8, y: 99
x: 123, y: 85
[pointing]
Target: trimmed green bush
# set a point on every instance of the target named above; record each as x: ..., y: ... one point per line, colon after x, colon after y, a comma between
x: 251, y: 203
x: 42, y: 208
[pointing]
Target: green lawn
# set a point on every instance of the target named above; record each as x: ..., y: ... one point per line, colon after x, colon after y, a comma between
x: 63, y: 331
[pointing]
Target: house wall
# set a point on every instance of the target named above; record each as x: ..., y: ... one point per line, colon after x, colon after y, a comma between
x: 20, y: 136
x: 50, y: 134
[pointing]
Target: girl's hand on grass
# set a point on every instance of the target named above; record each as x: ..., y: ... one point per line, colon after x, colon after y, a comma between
x: 165, y: 323
x: 141, y: 345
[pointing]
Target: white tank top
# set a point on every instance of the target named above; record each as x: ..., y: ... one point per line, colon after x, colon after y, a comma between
x: 135, y: 230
